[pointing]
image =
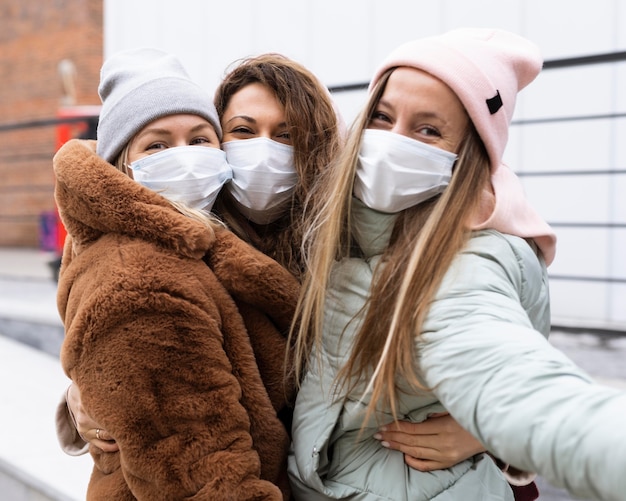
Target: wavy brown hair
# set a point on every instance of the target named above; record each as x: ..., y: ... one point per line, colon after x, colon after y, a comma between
x: 424, y: 242
x: 315, y: 135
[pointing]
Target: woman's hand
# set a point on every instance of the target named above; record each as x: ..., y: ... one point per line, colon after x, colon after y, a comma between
x: 434, y: 444
x: 87, y: 428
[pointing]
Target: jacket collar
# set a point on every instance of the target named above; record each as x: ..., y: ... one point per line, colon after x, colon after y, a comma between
x: 371, y: 229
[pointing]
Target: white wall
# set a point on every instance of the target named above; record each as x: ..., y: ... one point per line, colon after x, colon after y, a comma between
x: 342, y: 41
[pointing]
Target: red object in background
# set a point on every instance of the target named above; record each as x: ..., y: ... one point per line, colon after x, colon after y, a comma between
x: 61, y: 234
x: 73, y: 128
x: 84, y: 129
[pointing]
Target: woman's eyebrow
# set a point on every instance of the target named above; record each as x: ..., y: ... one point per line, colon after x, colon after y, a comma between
x: 246, y: 118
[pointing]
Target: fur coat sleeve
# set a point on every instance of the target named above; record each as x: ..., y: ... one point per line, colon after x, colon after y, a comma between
x: 156, y: 344
x: 267, y: 312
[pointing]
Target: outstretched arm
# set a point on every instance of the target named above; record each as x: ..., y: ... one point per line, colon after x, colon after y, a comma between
x: 500, y: 378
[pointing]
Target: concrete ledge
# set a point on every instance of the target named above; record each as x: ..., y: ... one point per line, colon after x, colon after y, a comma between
x: 32, y: 465
x: 42, y: 336
x: 18, y: 485
x: 28, y: 312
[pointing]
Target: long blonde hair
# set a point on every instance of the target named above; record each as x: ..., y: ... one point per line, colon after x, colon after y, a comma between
x: 424, y: 241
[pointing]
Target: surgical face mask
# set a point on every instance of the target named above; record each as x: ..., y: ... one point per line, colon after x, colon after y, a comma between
x: 395, y: 172
x: 264, y: 177
x: 192, y: 175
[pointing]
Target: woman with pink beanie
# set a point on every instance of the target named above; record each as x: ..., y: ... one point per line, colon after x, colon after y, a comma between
x: 430, y: 295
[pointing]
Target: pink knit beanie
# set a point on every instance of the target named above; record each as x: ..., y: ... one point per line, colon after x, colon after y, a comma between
x: 485, y: 68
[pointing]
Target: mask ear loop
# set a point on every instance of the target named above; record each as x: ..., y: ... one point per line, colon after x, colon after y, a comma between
x: 123, y: 165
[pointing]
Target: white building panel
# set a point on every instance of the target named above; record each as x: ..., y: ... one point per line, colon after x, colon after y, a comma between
x: 569, y: 28
x: 566, y: 146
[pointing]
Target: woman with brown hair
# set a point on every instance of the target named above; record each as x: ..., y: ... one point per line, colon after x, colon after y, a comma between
x: 292, y: 132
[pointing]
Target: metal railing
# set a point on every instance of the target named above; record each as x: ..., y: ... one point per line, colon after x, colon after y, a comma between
x: 27, y: 155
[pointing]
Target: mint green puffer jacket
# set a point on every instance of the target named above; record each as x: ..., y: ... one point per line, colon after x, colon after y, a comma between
x: 484, y: 350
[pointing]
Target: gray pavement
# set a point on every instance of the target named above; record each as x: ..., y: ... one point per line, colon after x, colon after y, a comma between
x: 32, y: 465
x: 30, y: 338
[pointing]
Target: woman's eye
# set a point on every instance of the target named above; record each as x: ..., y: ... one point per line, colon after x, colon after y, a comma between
x: 380, y: 116
x: 156, y: 146
x: 242, y: 130
x: 200, y: 140
x: 285, y: 136
x: 380, y: 120
x: 429, y: 131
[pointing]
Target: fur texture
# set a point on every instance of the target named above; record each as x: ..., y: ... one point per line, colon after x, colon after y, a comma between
x: 159, y: 348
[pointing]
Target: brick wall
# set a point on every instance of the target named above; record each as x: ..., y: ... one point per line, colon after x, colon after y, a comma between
x: 35, y: 37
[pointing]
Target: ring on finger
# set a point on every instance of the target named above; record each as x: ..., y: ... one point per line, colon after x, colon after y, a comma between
x: 98, y: 433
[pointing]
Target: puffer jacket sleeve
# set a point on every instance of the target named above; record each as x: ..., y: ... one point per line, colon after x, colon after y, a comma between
x: 501, y: 379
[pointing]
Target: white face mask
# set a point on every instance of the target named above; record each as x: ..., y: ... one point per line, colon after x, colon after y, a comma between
x: 264, y: 177
x: 192, y: 175
x: 396, y: 172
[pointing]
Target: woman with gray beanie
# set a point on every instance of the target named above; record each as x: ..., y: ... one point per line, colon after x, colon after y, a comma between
x: 148, y: 291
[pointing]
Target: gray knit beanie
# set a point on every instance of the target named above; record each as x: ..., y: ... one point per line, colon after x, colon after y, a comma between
x: 140, y: 85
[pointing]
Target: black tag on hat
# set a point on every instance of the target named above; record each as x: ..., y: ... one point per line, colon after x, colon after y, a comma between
x: 494, y: 103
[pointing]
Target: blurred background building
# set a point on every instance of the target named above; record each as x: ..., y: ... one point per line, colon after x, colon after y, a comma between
x: 567, y: 143
x: 50, y: 57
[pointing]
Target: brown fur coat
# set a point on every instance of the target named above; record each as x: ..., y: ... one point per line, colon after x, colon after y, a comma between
x: 158, y: 347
